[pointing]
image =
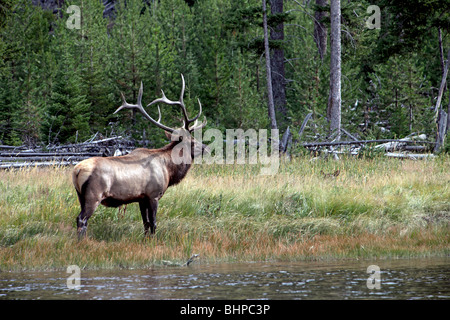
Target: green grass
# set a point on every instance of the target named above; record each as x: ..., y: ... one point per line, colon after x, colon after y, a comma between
x: 375, y: 208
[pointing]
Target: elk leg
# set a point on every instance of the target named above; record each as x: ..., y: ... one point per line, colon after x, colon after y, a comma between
x: 152, y: 214
x: 148, y: 212
x: 144, y: 207
x: 87, y: 209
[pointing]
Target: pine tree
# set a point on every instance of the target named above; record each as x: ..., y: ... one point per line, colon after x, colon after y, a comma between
x: 23, y: 85
x: 403, y: 97
x: 95, y: 60
x: 67, y: 112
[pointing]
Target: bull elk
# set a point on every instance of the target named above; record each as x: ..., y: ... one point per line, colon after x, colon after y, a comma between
x: 143, y: 175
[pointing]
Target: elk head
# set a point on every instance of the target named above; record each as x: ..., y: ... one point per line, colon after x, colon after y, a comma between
x: 182, y: 135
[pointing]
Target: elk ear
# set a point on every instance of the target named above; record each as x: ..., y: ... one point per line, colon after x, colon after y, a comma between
x: 168, y: 135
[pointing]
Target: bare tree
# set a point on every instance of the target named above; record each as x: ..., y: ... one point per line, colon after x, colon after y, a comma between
x: 443, y: 67
x: 271, y: 106
x: 334, y: 100
x: 441, y: 117
x: 320, y: 30
x: 277, y: 63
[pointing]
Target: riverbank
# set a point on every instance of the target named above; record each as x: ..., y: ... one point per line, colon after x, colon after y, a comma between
x: 310, y: 210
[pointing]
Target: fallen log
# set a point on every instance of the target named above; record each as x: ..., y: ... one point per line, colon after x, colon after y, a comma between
x: 42, y: 158
x: 49, y: 154
x: 410, y: 156
x: 337, y: 143
x: 85, y: 144
x: 12, y: 147
x: 17, y: 165
x: 403, y: 147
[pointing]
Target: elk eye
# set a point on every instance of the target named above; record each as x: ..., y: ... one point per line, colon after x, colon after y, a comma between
x: 181, y: 138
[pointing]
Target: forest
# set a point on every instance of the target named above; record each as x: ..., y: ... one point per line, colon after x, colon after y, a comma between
x: 61, y: 75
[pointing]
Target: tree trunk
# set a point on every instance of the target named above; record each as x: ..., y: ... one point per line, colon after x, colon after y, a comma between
x: 334, y: 100
x: 441, y: 117
x: 441, y: 129
x: 271, y: 106
x: 441, y: 54
x: 277, y: 64
x: 448, y: 112
x: 442, y: 86
x: 320, y: 30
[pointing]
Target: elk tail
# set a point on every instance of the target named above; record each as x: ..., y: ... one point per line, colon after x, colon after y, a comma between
x: 81, y: 174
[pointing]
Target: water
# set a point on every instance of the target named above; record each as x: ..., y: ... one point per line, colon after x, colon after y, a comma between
x: 399, y: 279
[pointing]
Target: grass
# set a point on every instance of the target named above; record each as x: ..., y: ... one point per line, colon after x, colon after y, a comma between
x: 375, y: 208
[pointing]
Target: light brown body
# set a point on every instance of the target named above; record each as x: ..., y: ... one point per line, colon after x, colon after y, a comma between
x: 109, y: 175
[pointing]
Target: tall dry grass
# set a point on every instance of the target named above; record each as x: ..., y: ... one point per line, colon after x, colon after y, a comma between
x: 373, y: 208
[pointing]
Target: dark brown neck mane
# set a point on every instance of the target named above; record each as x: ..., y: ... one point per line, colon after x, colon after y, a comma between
x: 177, y: 172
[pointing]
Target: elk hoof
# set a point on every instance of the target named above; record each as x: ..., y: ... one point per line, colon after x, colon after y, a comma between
x: 81, y: 233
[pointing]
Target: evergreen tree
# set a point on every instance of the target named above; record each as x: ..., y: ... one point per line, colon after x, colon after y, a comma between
x: 403, y: 97
x: 24, y: 73
x: 94, y: 61
x: 67, y: 112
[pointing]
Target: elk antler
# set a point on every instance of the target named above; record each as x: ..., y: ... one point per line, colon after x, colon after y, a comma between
x: 197, y: 126
x: 138, y: 106
x: 180, y: 102
x: 163, y: 99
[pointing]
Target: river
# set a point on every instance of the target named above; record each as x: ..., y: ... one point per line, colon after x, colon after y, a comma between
x: 386, y: 279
